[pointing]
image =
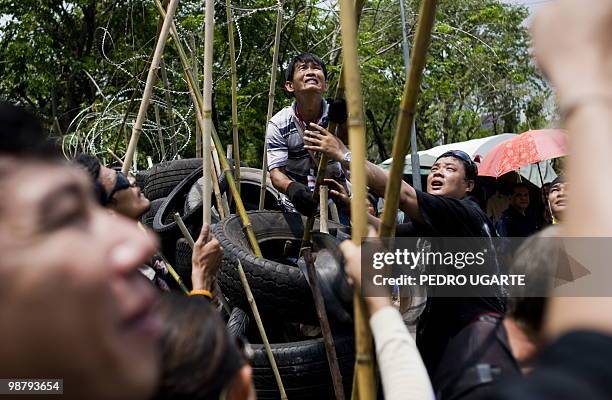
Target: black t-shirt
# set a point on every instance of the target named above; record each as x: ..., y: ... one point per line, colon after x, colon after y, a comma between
x: 576, y: 366
x: 444, y: 317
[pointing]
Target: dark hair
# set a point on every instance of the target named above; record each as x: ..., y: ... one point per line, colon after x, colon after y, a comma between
x: 539, y: 258
x: 558, y: 179
x: 199, y: 356
x: 519, y: 185
x: 470, y: 167
x: 305, y: 58
x: 92, y: 166
x: 22, y: 135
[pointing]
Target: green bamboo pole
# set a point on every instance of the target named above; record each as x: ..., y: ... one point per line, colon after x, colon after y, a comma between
x: 366, y: 386
x: 209, y: 31
x: 197, y: 101
x: 264, y: 337
x: 232, y: 55
x: 264, y: 166
x: 407, y: 109
x: 151, y: 77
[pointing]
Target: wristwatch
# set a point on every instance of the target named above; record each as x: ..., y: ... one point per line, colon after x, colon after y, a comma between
x: 346, y: 159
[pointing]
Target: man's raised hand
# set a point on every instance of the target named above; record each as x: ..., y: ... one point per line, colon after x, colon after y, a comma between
x: 320, y: 139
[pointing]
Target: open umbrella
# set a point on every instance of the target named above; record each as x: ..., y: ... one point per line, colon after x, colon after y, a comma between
x: 530, y: 147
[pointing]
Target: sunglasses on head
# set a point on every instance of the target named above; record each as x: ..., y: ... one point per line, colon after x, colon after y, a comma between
x: 465, y: 157
x: 121, y: 183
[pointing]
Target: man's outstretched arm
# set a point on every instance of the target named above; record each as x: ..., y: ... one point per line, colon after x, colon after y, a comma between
x: 320, y: 139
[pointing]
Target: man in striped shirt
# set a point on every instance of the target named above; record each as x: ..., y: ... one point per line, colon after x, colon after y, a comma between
x: 292, y: 168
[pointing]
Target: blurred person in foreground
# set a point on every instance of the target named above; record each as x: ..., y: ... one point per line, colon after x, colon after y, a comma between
x: 200, y: 359
x: 72, y: 303
x: 572, y: 46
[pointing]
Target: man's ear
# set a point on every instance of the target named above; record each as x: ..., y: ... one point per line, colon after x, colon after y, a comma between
x: 289, y: 86
x: 470, y: 185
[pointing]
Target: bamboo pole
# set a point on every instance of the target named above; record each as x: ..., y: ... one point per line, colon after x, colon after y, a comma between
x: 414, y: 159
x: 356, y: 128
x: 196, y: 67
x: 232, y: 55
x: 209, y: 31
x: 407, y: 109
x: 160, y: 135
x: 264, y: 166
x: 328, y: 339
x: 264, y: 337
x: 164, y: 75
x: 323, y: 207
x: 144, y: 104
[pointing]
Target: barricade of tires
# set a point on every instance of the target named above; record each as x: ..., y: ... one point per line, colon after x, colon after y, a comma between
x: 279, y: 286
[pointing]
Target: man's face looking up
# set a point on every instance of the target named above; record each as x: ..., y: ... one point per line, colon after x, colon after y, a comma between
x: 307, y: 77
x: 447, y: 178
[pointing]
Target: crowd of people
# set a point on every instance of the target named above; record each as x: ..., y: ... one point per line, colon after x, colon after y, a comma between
x: 82, y: 293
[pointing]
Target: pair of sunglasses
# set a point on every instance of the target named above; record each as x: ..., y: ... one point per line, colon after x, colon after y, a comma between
x: 465, y: 157
x: 121, y: 183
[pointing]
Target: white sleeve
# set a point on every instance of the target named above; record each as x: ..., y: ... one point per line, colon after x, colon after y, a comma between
x: 403, y: 373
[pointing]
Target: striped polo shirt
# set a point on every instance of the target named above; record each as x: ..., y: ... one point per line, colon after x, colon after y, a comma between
x: 286, y: 145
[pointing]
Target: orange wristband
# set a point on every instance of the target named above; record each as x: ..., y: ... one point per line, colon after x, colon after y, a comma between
x: 206, y: 293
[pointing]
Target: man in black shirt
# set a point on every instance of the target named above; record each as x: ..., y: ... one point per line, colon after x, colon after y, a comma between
x: 444, y: 211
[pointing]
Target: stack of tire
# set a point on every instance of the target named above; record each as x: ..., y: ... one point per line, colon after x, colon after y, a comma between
x: 283, y: 296
x: 281, y: 290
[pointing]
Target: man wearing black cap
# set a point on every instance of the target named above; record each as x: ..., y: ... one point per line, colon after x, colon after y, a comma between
x: 450, y: 330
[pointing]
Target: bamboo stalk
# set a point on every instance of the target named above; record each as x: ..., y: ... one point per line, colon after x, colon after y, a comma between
x: 151, y: 77
x: 264, y: 166
x: 232, y: 55
x: 356, y: 129
x: 174, y: 274
x: 407, y: 109
x: 164, y: 75
x: 262, y: 331
x: 209, y: 31
x: 160, y: 135
x: 323, y: 207
x: 196, y: 67
x: 328, y: 339
x: 222, y: 207
x: 115, y: 156
x: 196, y: 97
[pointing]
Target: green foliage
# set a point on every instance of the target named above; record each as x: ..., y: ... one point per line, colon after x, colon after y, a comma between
x: 84, y: 62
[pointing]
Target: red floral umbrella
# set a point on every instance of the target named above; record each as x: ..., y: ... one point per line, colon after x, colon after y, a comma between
x: 527, y: 148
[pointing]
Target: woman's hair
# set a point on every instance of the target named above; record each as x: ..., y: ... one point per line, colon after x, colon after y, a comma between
x: 92, y: 166
x: 199, y: 357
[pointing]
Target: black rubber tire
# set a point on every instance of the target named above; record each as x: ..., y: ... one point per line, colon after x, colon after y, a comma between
x: 147, y: 218
x: 250, y: 179
x: 238, y: 322
x: 182, y: 263
x: 303, y: 369
x: 166, y: 176
x: 163, y: 223
x: 281, y: 290
x: 141, y: 178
